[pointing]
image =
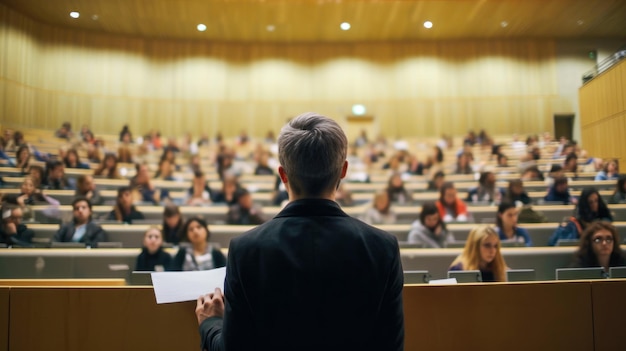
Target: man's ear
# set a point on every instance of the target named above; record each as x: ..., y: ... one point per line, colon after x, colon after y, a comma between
x: 344, y: 169
x: 283, y: 175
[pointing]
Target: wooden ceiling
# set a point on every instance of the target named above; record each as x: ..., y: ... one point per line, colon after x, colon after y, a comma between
x: 319, y: 20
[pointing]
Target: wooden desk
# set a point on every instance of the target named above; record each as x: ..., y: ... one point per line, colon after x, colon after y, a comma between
x: 608, y: 314
x: 4, y: 318
x: 62, y: 282
x: 523, y: 316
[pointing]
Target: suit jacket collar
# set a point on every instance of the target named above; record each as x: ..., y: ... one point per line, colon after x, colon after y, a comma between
x: 312, y: 207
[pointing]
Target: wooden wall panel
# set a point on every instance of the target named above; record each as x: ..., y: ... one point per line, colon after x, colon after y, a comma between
x: 51, y: 75
x: 608, y: 314
x: 603, y: 113
x: 4, y: 318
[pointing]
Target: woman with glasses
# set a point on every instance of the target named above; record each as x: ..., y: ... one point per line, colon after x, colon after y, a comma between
x: 599, y: 247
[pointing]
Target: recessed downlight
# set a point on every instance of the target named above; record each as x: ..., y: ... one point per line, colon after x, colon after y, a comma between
x: 74, y: 14
x: 428, y: 24
x: 270, y: 28
x: 201, y: 27
x: 504, y: 24
x: 345, y: 26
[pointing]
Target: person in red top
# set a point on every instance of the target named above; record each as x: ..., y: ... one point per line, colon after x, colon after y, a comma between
x: 451, y: 208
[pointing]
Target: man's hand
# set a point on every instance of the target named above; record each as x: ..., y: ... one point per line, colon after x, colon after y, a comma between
x: 210, y: 305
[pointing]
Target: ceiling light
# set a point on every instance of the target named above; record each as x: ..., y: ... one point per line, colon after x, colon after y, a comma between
x: 95, y: 17
x: 74, y: 14
x: 201, y: 27
x: 580, y: 22
x: 428, y: 24
x: 358, y: 109
x: 504, y: 24
x: 270, y: 27
x: 345, y: 26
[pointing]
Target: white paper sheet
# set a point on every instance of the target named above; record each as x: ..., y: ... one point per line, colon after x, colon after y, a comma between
x: 186, y: 286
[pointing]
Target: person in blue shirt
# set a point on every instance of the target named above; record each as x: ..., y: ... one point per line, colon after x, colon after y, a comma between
x: 506, y: 225
x: 609, y: 172
x: 72, y: 160
x: 559, y: 192
x: 590, y: 208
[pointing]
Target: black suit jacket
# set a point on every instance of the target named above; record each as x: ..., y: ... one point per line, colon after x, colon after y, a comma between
x: 312, y: 278
x: 93, y: 234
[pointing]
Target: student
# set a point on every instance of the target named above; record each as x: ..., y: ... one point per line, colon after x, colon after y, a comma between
x: 312, y: 277
x: 124, y: 210
x: 435, y: 184
x: 559, y: 192
x: 12, y: 231
x: 429, y: 229
x: 55, y: 176
x: 152, y: 257
x: 142, y: 183
x: 22, y: 159
x: 172, y: 224
x: 86, y: 187
x: 245, y: 212
x: 199, y: 194
x: 72, y: 160
x: 227, y: 195
x: 487, y: 191
x: 590, y: 208
x: 609, y: 172
x: 81, y: 229
x: 482, y: 252
x: 397, y: 192
x: 619, y: 196
x: 451, y: 208
x: 516, y: 193
x: 200, y: 255
x: 506, y: 225
x: 599, y: 247
x: 380, y: 212
x: 108, y: 167
x: 463, y: 164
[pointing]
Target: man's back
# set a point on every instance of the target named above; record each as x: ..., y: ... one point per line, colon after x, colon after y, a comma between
x: 314, y: 278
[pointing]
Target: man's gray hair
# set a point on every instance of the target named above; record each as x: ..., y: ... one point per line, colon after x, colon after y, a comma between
x: 312, y: 149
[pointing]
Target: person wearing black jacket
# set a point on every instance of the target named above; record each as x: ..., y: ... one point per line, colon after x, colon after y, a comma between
x: 81, y: 229
x: 12, y: 231
x: 124, y: 210
x: 152, y: 257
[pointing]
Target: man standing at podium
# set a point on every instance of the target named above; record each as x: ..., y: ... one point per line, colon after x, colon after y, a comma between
x: 312, y: 278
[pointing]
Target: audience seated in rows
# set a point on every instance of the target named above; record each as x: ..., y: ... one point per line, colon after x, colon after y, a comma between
x: 436, y: 182
x: 599, y: 247
x: 515, y: 193
x: 82, y: 228
x: 152, y: 257
x: 482, y: 252
x: 55, y: 177
x: 559, y: 192
x: 12, y: 230
x: 610, y: 171
x: 108, y: 168
x: 380, y: 211
x: 245, y: 211
x: 72, y: 160
x: 398, y: 194
x: 590, y: 208
x: 228, y: 193
x: 430, y: 230
x: 506, y: 224
x: 619, y: 195
x: 451, y: 208
x: 487, y: 191
x: 86, y: 187
x: 200, y: 255
x: 124, y: 210
x: 172, y: 224
x: 199, y: 194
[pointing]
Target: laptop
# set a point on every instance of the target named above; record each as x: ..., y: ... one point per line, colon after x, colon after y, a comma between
x: 140, y: 278
x: 617, y: 272
x: 580, y: 273
x: 520, y: 275
x: 416, y: 277
x: 466, y: 276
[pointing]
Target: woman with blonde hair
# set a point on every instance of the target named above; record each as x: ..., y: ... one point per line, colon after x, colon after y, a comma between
x: 482, y: 252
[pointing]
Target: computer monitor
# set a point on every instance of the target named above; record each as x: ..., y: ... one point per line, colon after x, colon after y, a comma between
x: 466, y: 276
x: 140, y: 278
x: 580, y: 273
x: 416, y: 277
x: 520, y: 275
x: 617, y: 272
